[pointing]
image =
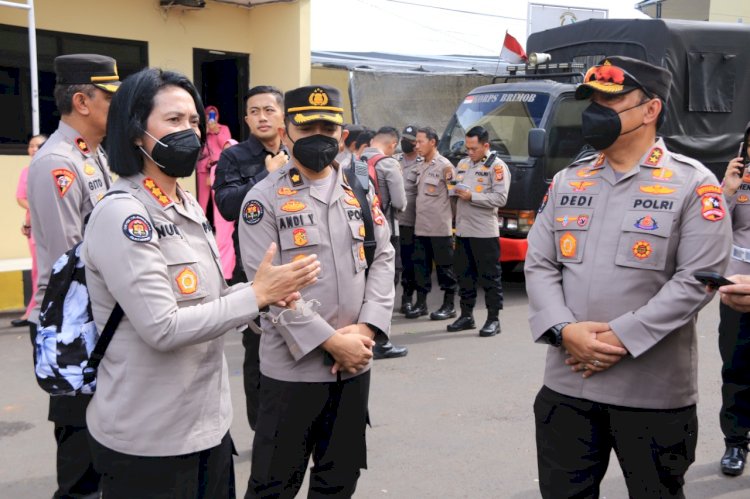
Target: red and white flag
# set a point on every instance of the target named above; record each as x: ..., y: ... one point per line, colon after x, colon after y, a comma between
x: 512, y: 50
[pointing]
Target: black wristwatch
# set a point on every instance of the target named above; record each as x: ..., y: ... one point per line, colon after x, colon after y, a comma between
x: 553, y: 336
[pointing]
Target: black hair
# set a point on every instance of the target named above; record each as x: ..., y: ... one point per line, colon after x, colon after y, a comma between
x: 354, y: 131
x: 389, y: 130
x: 42, y: 136
x: 429, y: 132
x: 480, y: 133
x: 266, y: 89
x: 64, y: 96
x: 364, y: 138
x: 131, y: 106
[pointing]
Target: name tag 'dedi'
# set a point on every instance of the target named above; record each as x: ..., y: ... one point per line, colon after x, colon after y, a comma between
x: 575, y: 200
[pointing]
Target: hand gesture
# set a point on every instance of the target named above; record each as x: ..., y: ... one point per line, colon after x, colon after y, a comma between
x: 280, y: 283
x: 350, y: 350
x: 463, y: 194
x: 273, y: 163
x: 733, y: 176
x: 593, y: 347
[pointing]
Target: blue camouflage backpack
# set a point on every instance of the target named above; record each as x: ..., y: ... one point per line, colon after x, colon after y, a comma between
x: 68, y: 347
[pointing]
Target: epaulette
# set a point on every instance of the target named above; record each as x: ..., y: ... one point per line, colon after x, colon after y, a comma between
x: 687, y: 160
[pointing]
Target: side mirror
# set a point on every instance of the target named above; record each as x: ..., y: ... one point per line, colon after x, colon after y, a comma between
x: 457, y: 147
x: 536, y: 142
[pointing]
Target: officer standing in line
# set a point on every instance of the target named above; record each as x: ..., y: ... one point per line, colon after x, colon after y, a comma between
x: 389, y: 187
x: 609, y: 275
x: 433, y: 228
x: 734, y: 330
x: 67, y: 177
x: 482, y: 186
x: 315, y: 359
x: 409, y: 160
x: 241, y: 167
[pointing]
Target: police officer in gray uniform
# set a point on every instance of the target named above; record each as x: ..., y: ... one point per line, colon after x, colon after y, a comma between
x: 482, y: 187
x: 409, y: 160
x: 734, y: 328
x: 67, y: 177
x: 433, y: 228
x: 609, y: 275
x: 316, y: 358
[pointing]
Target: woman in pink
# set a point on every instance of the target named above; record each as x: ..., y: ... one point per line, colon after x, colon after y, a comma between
x: 34, y: 144
x: 218, y: 138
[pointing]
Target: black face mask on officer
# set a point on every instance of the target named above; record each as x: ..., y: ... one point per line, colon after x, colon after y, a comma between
x: 316, y: 151
x: 176, y: 153
x: 407, y: 146
x: 601, y: 126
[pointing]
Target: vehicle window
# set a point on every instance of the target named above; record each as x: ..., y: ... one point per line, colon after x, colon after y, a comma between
x: 507, y: 116
x: 564, y: 140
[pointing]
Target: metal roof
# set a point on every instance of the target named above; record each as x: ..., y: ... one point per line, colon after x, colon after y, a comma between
x: 382, y: 61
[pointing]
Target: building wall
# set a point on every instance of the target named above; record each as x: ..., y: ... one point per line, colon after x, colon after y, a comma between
x: 691, y: 10
x: 729, y: 11
x: 277, y: 37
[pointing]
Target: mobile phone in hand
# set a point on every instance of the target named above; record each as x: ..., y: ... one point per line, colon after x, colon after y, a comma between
x: 712, y: 279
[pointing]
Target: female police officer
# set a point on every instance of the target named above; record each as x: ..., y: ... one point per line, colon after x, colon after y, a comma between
x: 159, y: 421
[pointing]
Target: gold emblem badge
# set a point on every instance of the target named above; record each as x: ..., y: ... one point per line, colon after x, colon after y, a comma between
x: 298, y: 257
x: 742, y: 199
x: 155, y: 191
x: 293, y: 206
x: 362, y: 230
x: 662, y: 173
x: 187, y: 281
x: 568, y: 245
x: 352, y: 202
x: 362, y: 252
x: 656, y: 189
x: 642, y: 250
x: 286, y: 191
x: 582, y: 185
x: 88, y: 169
x: 83, y: 146
x: 318, y: 98
x: 479, y: 188
x: 300, y: 237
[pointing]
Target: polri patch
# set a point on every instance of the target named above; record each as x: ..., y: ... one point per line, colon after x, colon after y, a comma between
x: 646, y: 223
x: 63, y: 180
x: 711, y: 207
x: 252, y: 213
x: 187, y: 281
x: 137, y: 229
x: 568, y: 245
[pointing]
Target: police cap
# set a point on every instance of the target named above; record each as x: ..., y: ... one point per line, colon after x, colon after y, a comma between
x: 93, y: 69
x: 410, y: 132
x: 314, y: 103
x: 619, y: 75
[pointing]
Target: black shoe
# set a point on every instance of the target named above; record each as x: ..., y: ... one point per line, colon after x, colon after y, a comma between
x: 406, y: 307
x: 388, y: 351
x: 490, y: 328
x: 444, y: 312
x: 20, y: 323
x: 461, y: 324
x: 418, y: 310
x: 733, y: 461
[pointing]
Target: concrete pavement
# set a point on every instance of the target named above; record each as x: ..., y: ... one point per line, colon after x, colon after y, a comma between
x: 453, y: 419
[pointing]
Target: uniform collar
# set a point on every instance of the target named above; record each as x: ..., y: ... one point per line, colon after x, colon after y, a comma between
x: 73, y: 137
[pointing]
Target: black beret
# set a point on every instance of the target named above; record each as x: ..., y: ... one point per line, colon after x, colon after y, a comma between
x: 619, y: 75
x: 94, y: 69
x: 314, y: 103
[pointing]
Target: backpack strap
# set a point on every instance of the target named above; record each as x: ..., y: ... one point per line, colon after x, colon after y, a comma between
x: 352, y: 176
x: 89, y: 372
x: 491, y: 159
x: 371, y: 162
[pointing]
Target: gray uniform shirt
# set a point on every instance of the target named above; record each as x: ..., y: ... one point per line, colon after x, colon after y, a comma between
x: 739, y: 207
x: 391, y: 187
x: 489, y: 191
x: 284, y: 208
x: 434, y: 215
x: 624, y: 252
x: 163, y: 385
x: 66, y: 179
x: 409, y: 170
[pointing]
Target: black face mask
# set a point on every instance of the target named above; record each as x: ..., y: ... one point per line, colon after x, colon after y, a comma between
x: 601, y: 126
x: 316, y: 151
x: 176, y: 153
x: 407, y: 146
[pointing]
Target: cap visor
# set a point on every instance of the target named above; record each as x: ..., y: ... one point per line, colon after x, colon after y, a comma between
x: 409, y: 137
x: 110, y: 87
x: 302, y: 118
x: 584, y: 90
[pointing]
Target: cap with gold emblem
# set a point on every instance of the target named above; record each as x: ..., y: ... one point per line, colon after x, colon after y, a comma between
x: 619, y: 75
x: 94, y: 69
x: 314, y: 103
x: 410, y: 132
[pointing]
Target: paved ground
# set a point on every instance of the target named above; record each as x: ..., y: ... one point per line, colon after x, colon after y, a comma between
x: 452, y: 420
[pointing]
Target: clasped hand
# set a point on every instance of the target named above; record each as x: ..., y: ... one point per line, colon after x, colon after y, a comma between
x: 592, y: 347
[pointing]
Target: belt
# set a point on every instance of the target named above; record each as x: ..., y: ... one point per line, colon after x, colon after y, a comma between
x: 741, y: 254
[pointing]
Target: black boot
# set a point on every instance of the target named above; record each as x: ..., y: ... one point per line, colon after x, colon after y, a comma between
x: 419, y: 308
x: 491, y: 326
x: 733, y: 460
x: 466, y: 321
x: 406, y: 305
x: 388, y: 351
x: 447, y: 310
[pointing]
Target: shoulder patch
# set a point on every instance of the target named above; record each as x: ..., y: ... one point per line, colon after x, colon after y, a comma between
x: 545, y: 198
x: 252, y: 212
x: 63, y: 179
x: 712, y: 208
x: 137, y: 229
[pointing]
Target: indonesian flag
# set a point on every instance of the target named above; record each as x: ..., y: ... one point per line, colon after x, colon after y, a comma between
x: 512, y: 50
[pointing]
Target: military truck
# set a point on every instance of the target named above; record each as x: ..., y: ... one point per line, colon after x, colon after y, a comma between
x: 534, y: 121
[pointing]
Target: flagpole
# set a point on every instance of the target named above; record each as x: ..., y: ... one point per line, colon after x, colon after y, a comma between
x: 498, y: 55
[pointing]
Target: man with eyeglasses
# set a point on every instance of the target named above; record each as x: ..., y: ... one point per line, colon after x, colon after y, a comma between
x: 609, y: 275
